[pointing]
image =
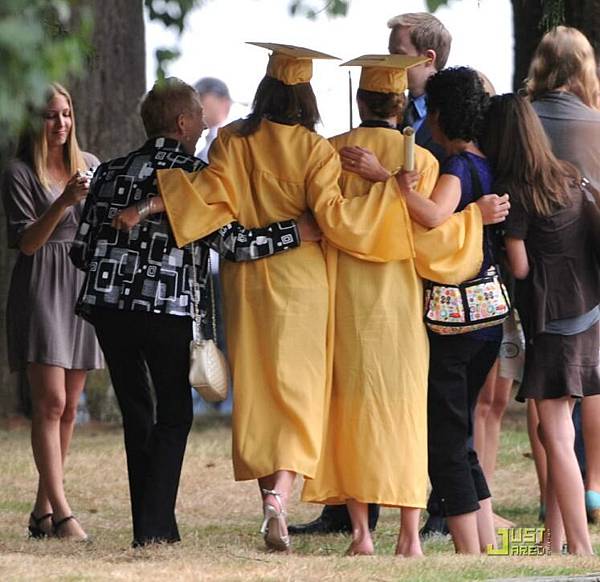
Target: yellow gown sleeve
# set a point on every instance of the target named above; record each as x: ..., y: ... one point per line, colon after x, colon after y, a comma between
x: 194, y: 214
x: 374, y: 227
x: 452, y: 252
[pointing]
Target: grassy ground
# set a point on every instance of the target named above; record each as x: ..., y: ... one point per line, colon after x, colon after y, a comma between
x: 219, y: 521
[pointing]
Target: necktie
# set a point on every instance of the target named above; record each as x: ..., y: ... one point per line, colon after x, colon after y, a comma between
x: 410, y: 115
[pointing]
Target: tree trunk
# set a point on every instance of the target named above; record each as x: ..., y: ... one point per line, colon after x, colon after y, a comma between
x: 106, y: 99
x: 527, y: 34
x: 9, y: 401
x: 108, y: 125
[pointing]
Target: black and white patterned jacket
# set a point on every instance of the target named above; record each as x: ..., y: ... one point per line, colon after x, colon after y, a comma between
x: 143, y: 270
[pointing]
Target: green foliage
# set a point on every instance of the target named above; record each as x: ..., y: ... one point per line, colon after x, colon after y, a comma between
x: 171, y: 13
x: 433, y: 5
x: 331, y: 7
x: 39, y: 43
x: 553, y: 14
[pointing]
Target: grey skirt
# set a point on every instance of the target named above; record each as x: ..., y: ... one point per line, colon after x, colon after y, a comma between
x: 562, y: 365
x: 41, y: 322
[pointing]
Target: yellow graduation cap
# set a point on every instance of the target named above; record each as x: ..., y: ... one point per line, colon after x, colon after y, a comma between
x: 385, y: 73
x: 291, y: 64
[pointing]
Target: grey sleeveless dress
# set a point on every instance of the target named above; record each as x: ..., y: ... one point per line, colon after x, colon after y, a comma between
x: 41, y: 323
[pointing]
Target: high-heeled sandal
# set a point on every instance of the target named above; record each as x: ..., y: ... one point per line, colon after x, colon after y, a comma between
x: 274, y: 524
x: 35, y: 531
x: 56, y: 525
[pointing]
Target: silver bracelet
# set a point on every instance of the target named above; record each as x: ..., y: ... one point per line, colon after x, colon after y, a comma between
x: 144, y: 207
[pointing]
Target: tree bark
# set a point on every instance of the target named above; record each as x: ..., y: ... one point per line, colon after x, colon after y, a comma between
x: 106, y: 98
x: 527, y: 34
x: 9, y: 401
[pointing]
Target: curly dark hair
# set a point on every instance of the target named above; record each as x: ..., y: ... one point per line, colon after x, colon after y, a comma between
x: 458, y: 96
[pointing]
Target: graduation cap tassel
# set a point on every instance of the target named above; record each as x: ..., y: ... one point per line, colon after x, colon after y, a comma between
x: 350, y: 97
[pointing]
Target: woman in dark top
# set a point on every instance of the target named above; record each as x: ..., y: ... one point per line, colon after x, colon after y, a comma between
x: 458, y: 364
x: 549, y: 247
x: 563, y: 88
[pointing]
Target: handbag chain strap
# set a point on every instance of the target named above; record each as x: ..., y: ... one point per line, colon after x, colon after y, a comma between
x: 195, y: 295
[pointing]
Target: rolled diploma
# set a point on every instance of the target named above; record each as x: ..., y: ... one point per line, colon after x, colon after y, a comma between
x: 409, y: 148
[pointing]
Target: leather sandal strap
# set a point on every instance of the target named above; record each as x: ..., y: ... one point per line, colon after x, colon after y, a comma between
x: 38, y: 520
x: 62, y: 521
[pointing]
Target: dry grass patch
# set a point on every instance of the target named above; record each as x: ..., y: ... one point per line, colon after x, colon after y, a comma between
x: 219, y: 521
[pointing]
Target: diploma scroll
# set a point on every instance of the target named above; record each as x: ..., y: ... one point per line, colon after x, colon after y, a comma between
x: 409, y: 148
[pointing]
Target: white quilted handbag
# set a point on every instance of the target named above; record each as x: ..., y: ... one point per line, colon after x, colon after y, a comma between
x: 209, y: 373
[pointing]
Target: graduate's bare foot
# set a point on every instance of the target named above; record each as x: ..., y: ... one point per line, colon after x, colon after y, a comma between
x: 361, y: 547
x: 409, y: 548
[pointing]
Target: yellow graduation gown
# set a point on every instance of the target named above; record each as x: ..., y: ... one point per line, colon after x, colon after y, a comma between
x: 375, y: 448
x: 276, y: 309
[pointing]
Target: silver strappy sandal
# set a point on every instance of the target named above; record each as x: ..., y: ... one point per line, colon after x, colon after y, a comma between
x: 274, y: 524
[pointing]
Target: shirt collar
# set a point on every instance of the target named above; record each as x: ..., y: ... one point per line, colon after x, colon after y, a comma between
x: 377, y: 123
x: 163, y: 143
x: 420, y: 104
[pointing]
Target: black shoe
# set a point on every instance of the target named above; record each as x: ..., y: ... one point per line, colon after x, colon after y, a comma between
x: 35, y: 529
x: 145, y: 542
x: 319, y: 526
x: 436, y: 525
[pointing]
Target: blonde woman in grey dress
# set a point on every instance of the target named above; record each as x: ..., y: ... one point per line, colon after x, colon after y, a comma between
x: 42, y: 191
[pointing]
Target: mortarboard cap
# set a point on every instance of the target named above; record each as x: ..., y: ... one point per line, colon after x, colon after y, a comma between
x: 291, y: 64
x: 385, y: 73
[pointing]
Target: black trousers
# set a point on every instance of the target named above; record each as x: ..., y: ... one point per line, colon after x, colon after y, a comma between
x: 458, y: 367
x: 155, y: 429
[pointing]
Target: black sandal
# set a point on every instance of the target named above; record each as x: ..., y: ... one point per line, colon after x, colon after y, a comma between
x: 56, y: 525
x: 35, y: 531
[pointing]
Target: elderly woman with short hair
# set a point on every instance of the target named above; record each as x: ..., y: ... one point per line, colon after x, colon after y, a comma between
x: 137, y: 294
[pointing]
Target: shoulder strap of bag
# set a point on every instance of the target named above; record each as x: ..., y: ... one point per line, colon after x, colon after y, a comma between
x: 195, y: 296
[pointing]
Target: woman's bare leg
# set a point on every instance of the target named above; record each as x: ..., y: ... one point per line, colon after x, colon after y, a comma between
x: 481, y: 417
x: 537, y: 449
x: 485, y: 525
x: 590, y: 415
x: 362, y: 543
x: 281, y: 482
x: 409, y: 544
x: 48, y: 394
x: 74, y: 384
x: 465, y: 536
x: 558, y: 440
x: 554, y: 535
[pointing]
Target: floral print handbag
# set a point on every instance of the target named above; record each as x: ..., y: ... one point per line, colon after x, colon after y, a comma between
x: 472, y: 305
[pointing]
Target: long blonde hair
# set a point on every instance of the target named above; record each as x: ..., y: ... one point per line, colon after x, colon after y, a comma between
x: 564, y: 58
x: 33, y: 147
